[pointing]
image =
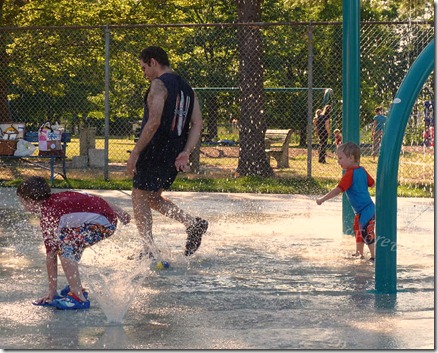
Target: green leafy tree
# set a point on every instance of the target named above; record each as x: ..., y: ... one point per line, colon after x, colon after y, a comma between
x: 208, y: 58
x: 65, y: 67
x: 49, y: 73
x: 9, y: 11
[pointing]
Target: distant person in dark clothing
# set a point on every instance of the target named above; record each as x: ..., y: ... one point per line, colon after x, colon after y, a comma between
x: 379, y: 121
x: 323, y: 131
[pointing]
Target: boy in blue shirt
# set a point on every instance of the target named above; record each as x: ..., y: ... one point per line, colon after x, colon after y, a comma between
x: 355, y: 182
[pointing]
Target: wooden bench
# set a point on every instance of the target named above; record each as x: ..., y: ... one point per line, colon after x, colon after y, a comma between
x: 37, y: 160
x: 281, y: 155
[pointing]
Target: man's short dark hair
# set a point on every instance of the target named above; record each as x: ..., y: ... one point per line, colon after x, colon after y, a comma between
x: 34, y: 188
x: 156, y: 53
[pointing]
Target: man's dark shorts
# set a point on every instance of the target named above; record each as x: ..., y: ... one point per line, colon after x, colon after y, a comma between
x: 156, y: 168
x: 154, y: 178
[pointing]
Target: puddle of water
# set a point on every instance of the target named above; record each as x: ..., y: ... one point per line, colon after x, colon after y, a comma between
x: 270, y: 274
x: 112, y: 278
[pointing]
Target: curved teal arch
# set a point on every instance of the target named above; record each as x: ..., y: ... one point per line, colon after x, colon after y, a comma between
x: 387, y: 170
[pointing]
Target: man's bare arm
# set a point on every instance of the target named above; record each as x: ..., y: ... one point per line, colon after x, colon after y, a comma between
x: 155, y: 101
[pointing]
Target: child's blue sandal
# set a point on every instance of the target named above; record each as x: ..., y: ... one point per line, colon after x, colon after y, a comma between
x: 71, y: 302
x: 64, y: 292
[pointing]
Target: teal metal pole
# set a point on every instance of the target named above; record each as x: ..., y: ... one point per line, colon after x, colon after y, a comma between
x: 387, y: 170
x: 350, y: 90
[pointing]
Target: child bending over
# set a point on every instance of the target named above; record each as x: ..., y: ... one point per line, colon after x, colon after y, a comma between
x: 70, y: 222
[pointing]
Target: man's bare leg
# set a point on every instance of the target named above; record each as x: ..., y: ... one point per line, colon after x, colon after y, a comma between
x: 371, y: 247
x: 359, y: 249
x: 143, y: 216
x: 195, y: 227
x: 167, y: 208
x: 144, y: 201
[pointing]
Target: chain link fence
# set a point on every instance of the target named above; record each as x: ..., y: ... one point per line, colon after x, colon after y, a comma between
x: 88, y: 79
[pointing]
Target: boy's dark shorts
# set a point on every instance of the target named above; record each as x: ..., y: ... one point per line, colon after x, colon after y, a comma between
x: 366, y: 234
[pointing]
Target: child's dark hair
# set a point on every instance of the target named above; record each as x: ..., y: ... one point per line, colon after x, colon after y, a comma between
x: 156, y: 53
x: 350, y: 149
x: 34, y: 188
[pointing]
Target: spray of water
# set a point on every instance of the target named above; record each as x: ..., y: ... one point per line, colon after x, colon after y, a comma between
x: 113, y: 272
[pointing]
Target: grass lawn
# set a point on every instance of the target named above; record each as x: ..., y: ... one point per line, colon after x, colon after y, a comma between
x: 218, y: 166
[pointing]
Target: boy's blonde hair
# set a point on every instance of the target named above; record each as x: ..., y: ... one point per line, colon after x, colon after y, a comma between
x: 350, y: 149
x: 336, y: 130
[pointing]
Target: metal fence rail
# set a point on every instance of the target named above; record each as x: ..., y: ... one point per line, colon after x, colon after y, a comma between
x: 88, y: 79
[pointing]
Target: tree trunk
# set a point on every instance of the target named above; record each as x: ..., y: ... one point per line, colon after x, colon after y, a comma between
x: 213, y: 118
x: 252, y: 158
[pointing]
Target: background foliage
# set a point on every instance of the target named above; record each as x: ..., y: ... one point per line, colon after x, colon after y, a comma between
x: 52, y: 64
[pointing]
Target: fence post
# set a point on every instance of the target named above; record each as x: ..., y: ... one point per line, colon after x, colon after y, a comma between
x: 310, y: 101
x: 107, y: 102
x: 195, y: 156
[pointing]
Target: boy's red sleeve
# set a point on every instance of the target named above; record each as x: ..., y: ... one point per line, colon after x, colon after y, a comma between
x: 370, y: 180
x: 346, y: 181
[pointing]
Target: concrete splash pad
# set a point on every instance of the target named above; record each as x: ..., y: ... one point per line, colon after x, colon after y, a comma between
x: 274, y: 272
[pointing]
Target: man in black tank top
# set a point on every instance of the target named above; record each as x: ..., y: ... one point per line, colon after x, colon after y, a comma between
x: 171, y: 128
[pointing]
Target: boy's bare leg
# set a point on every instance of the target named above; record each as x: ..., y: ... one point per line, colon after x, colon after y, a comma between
x: 71, y: 271
x: 359, y: 249
x: 371, y: 247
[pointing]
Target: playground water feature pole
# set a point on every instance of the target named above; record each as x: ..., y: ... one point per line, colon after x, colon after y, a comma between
x: 387, y: 170
x: 350, y: 89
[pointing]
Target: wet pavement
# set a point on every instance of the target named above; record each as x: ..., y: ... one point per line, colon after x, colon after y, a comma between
x: 273, y: 272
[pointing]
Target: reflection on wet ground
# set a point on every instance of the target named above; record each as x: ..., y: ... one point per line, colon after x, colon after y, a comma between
x: 274, y: 272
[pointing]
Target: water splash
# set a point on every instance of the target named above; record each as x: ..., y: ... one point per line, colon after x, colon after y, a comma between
x: 111, y: 274
x: 271, y: 266
x: 115, y: 289
x: 114, y: 338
